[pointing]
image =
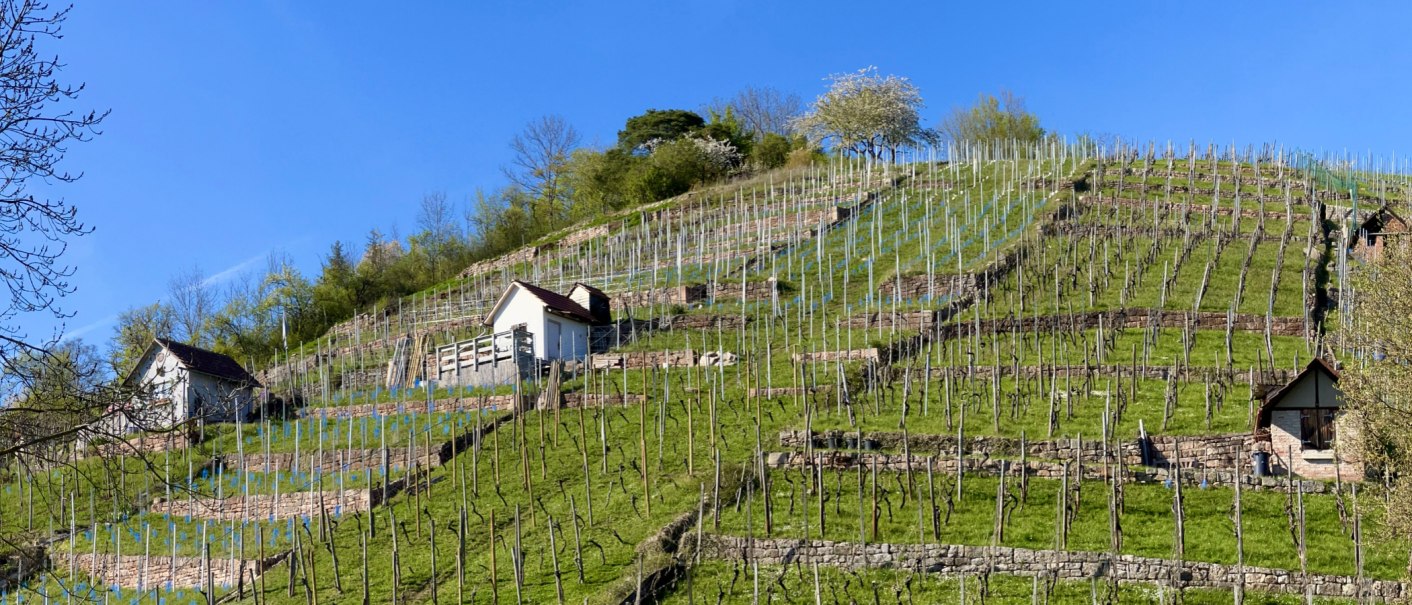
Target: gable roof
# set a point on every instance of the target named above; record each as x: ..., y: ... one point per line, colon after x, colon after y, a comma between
x: 200, y: 360
x: 553, y: 302
x: 591, y: 289
x: 1377, y: 222
x: 1262, y: 418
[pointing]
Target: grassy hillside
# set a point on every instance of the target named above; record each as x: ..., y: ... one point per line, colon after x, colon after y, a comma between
x: 581, y: 504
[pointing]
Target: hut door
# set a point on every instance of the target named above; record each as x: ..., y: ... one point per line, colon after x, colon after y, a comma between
x: 551, y: 340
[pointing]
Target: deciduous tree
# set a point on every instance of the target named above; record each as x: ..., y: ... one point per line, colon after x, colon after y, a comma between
x: 1376, y: 379
x: 992, y: 119
x: 867, y: 113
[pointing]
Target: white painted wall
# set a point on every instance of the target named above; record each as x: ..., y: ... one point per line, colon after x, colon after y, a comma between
x: 573, y: 338
x: 161, y: 379
x: 524, y: 308
x: 171, y: 394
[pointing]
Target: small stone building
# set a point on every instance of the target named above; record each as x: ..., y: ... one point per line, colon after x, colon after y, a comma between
x: 561, y: 325
x: 1368, y: 243
x: 1304, y: 428
x: 176, y: 382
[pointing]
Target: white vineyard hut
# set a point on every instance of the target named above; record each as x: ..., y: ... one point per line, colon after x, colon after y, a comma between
x: 561, y: 325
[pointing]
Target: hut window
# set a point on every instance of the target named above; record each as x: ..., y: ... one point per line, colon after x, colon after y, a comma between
x: 1316, y: 427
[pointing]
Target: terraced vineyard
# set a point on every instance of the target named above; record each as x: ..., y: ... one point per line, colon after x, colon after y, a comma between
x: 989, y: 379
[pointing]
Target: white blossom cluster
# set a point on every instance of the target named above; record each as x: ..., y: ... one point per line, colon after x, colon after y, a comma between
x: 722, y: 155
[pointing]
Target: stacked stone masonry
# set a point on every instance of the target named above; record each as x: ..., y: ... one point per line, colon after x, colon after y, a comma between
x: 271, y: 506
x: 1064, y: 565
x: 643, y: 359
x: 870, y: 354
x: 946, y: 464
x: 486, y: 403
x: 1214, y: 459
x: 348, y: 460
x: 1078, y: 372
x: 151, y: 572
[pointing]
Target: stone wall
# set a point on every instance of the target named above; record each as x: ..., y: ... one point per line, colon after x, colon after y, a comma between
x: 946, y: 464
x: 270, y: 506
x: 500, y: 262
x: 153, y: 572
x: 643, y: 359
x: 902, y: 320
x: 1185, y: 374
x: 457, y: 404
x: 752, y: 290
x: 849, y: 355
x: 676, y: 295
x: 1197, y: 452
x: 582, y: 235
x: 398, y: 459
x: 149, y: 443
x: 593, y: 400
x: 1065, y: 565
x: 1287, y: 450
x: 919, y: 287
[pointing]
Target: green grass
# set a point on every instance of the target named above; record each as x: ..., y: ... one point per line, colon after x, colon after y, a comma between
x: 720, y: 582
x: 1024, y: 409
x: 1147, y: 520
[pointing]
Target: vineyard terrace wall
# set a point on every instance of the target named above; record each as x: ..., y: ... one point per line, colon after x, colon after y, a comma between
x: 1064, y: 565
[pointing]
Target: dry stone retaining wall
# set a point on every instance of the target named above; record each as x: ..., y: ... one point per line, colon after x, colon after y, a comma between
x: 270, y: 506
x: 458, y: 404
x: 147, y: 573
x: 849, y: 355
x: 500, y: 262
x: 917, y: 287
x: 1186, y: 374
x: 1066, y: 565
x: 398, y: 459
x: 1197, y: 452
x: 909, y: 320
x: 676, y: 295
x: 1042, y: 469
x: 643, y: 359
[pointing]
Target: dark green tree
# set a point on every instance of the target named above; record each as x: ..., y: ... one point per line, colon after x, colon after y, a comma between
x: 658, y: 125
x: 772, y: 151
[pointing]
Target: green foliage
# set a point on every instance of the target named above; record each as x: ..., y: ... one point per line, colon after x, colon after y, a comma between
x: 993, y: 119
x: 867, y: 114
x: 597, y: 179
x: 336, y: 291
x: 664, y: 125
x: 726, y: 126
x: 135, y: 329
x: 772, y: 151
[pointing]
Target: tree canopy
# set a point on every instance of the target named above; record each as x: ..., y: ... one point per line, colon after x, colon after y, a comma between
x: 867, y: 113
x: 658, y: 125
x: 992, y: 119
x: 1377, y: 382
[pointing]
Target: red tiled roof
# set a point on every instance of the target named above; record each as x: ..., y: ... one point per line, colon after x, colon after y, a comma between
x: 554, y: 302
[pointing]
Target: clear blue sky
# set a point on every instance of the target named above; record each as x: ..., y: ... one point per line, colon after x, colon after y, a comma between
x: 242, y: 128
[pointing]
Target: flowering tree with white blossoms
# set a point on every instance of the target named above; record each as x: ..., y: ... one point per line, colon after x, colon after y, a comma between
x: 867, y: 114
x: 721, y: 155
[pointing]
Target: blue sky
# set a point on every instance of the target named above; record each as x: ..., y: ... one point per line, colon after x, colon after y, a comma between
x: 243, y: 128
